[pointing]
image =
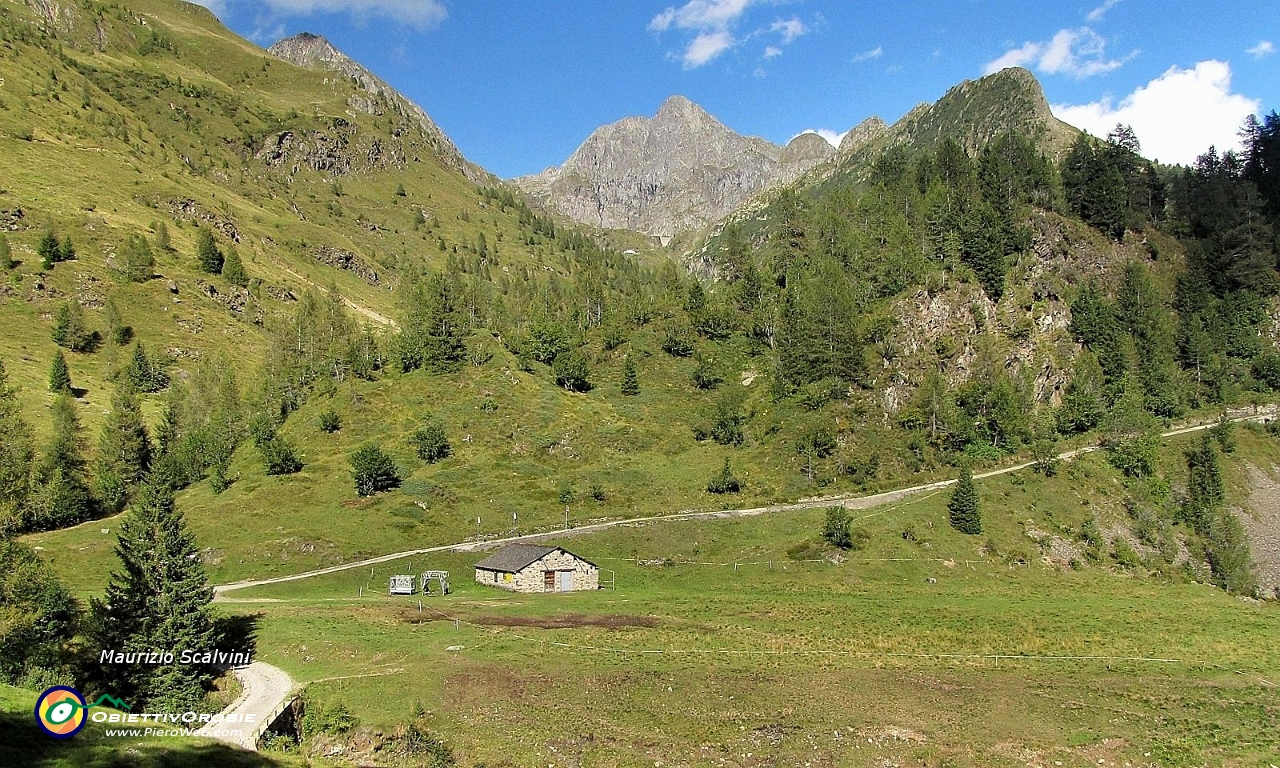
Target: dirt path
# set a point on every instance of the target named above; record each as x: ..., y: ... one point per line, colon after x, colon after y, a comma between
x: 846, y: 501
x: 382, y: 320
x: 265, y: 690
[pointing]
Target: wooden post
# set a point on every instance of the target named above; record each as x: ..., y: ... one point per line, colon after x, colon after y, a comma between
x: 455, y: 625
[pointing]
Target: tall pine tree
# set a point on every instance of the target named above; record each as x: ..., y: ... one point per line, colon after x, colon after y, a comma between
x: 61, y: 495
x: 124, y: 450
x: 158, y: 599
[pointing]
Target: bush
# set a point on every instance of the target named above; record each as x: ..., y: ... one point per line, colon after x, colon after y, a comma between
x: 571, y: 371
x: 835, y: 528
x: 706, y: 375
x: 330, y: 422
x: 374, y: 471
x: 335, y: 719
x: 724, y: 481
x: 678, y: 341
x: 430, y: 442
x: 278, y: 457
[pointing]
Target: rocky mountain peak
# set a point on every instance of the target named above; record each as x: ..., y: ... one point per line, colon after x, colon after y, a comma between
x: 312, y: 51
x: 680, y: 170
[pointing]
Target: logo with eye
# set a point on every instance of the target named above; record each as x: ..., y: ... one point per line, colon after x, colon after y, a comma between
x: 62, y: 712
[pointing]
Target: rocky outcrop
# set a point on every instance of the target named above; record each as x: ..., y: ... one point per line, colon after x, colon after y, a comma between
x: 379, y: 98
x: 336, y: 257
x: 678, y: 171
x: 186, y: 209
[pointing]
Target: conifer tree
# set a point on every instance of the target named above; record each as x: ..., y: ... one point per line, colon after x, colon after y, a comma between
x: 59, y: 376
x: 159, y: 598
x: 207, y: 252
x: 124, y: 450
x: 135, y: 262
x: 233, y: 269
x: 66, y: 250
x: 6, y: 255
x: 61, y: 496
x: 48, y: 250
x: 1206, y: 491
x: 70, y: 330
x: 964, y: 508
x: 630, y: 378
x: 144, y: 375
x: 17, y: 454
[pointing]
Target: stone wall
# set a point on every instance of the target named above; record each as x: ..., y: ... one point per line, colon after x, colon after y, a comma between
x: 532, y: 578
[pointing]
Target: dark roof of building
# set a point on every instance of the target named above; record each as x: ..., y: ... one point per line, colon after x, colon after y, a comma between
x: 517, y: 557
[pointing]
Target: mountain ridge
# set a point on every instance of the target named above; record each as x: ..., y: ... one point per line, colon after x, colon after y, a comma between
x: 312, y: 51
x: 679, y: 170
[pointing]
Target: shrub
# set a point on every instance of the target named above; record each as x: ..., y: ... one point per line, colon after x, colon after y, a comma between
x: 678, y: 341
x: 430, y: 441
x: 724, y: 481
x: 835, y: 528
x: 330, y: 422
x: 374, y: 471
x: 571, y: 371
x: 278, y: 457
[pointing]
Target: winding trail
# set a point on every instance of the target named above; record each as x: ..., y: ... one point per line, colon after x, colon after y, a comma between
x: 846, y: 501
x: 265, y: 692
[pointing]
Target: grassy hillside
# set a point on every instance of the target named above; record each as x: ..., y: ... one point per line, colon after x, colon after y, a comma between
x: 742, y: 643
x: 117, y: 119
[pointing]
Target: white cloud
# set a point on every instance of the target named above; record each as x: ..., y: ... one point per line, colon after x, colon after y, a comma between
x: 874, y: 53
x: 1262, y: 50
x: 1079, y: 53
x: 833, y: 137
x: 790, y: 29
x: 1096, y: 14
x: 700, y: 15
x: 706, y: 47
x: 712, y: 25
x: 1177, y: 116
x: 422, y: 14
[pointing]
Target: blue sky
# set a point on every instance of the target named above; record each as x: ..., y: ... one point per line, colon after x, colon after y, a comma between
x: 520, y: 84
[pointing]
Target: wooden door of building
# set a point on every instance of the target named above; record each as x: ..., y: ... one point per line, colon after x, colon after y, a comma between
x: 549, y: 581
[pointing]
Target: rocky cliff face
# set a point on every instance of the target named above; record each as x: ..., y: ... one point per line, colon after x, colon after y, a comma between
x: 678, y: 171
x: 315, y: 52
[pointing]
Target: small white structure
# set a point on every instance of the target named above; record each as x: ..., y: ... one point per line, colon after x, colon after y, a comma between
x: 401, y: 585
x: 531, y: 568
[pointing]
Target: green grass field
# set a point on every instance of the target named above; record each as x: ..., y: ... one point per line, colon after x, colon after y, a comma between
x: 779, y: 662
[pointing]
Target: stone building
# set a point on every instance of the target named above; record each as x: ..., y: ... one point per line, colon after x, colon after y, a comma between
x: 531, y: 568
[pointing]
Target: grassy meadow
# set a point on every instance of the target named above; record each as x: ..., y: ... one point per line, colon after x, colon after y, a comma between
x: 1002, y: 660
